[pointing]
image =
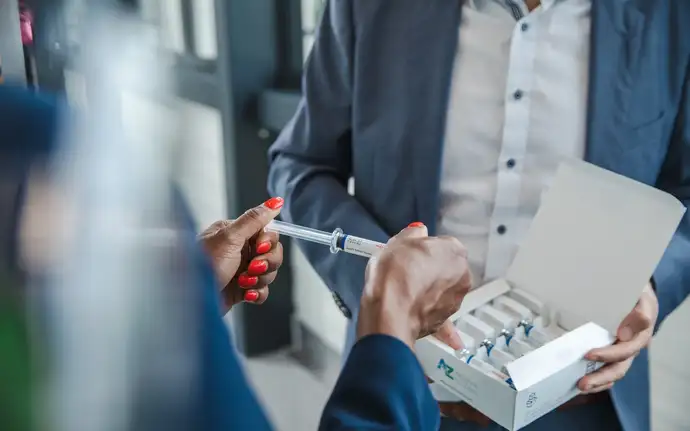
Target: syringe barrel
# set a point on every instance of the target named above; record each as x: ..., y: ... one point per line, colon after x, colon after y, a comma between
x: 336, y: 241
x: 300, y: 232
x: 355, y: 245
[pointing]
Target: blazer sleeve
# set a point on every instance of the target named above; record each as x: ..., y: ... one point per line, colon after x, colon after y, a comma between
x: 671, y: 279
x: 381, y: 387
x: 222, y: 398
x: 311, y: 161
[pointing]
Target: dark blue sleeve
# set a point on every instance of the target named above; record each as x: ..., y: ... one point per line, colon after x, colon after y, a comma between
x: 227, y: 400
x: 381, y: 387
x: 229, y: 403
x: 29, y: 123
x: 672, y: 277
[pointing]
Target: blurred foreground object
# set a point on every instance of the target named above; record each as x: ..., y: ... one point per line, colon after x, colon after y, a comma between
x: 110, y: 285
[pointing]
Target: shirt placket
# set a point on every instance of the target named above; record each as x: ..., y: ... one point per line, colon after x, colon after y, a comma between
x: 504, y: 229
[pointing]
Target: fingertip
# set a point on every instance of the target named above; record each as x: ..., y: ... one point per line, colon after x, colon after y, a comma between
x: 257, y: 267
x: 251, y: 295
x: 263, y: 247
x: 583, y: 384
x: 449, y: 335
x: 591, y: 356
x: 246, y: 281
x: 625, y: 334
x: 414, y: 229
x: 275, y: 203
x: 455, y: 341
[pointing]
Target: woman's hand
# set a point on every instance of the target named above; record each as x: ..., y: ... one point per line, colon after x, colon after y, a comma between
x: 245, y: 258
x: 413, y: 286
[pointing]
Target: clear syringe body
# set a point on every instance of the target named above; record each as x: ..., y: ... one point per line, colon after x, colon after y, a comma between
x: 336, y: 241
x: 300, y: 232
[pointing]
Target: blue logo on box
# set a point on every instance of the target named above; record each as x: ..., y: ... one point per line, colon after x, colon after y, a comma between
x: 447, y: 369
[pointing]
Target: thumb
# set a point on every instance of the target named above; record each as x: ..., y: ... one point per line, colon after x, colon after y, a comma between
x: 637, y: 321
x: 255, y: 219
x: 447, y: 334
x: 414, y: 230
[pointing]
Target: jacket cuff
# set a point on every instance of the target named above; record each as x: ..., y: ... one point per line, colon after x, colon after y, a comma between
x: 382, y: 382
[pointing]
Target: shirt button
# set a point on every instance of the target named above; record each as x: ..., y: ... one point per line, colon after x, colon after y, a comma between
x: 501, y: 229
x: 517, y: 95
x: 524, y: 26
x: 510, y: 163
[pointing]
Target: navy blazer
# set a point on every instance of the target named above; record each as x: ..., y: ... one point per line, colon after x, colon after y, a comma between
x: 375, y: 95
x: 382, y: 386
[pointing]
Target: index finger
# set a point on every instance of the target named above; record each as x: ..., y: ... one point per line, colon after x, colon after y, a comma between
x: 634, y: 335
x: 447, y: 334
x: 413, y: 230
x: 617, y: 352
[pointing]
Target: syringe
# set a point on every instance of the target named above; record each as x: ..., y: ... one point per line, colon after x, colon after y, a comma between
x: 337, y: 241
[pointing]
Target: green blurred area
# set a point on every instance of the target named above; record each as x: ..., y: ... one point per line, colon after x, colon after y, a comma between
x: 15, y: 362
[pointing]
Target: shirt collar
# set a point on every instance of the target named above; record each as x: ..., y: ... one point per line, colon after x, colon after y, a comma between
x: 480, y: 5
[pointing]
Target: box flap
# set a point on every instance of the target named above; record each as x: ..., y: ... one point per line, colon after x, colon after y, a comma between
x: 557, y: 355
x: 595, y: 243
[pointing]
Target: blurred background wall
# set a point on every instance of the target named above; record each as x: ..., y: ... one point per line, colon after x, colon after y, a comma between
x: 237, y: 65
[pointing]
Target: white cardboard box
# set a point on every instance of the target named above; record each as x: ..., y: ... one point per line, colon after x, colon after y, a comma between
x: 591, y: 249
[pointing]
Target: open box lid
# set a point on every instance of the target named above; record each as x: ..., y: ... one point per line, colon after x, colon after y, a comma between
x: 595, y: 243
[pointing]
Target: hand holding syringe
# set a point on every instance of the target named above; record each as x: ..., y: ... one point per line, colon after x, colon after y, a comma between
x: 337, y: 241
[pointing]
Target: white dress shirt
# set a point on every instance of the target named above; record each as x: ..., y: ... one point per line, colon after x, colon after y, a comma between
x: 517, y: 107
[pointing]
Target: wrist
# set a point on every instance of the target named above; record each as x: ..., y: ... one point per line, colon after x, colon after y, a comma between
x: 387, y: 314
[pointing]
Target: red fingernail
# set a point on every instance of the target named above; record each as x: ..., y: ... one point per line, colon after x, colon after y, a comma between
x: 274, y: 203
x: 245, y: 280
x: 264, y: 247
x: 251, y: 295
x: 257, y: 267
x: 416, y: 224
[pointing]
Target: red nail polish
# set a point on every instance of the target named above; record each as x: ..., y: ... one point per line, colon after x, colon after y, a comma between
x: 257, y: 267
x: 251, y: 295
x: 416, y: 224
x: 245, y: 280
x: 263, y: 248
x: 274, y: 203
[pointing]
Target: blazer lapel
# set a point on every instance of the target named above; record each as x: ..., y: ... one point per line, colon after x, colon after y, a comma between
x: 614, y: 61
x: 435, y: 44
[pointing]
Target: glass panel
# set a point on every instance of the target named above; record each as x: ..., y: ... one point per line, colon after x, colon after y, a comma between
x: 205, y: 29
x: 172, y: 27
x: 311, y: 15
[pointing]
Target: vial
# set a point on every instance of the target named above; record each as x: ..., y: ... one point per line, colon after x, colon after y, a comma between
x: 513, y: 344
x: 534, y: 335
x: 497, y: 357
x: 505, y: 326
x: 484, y: 367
